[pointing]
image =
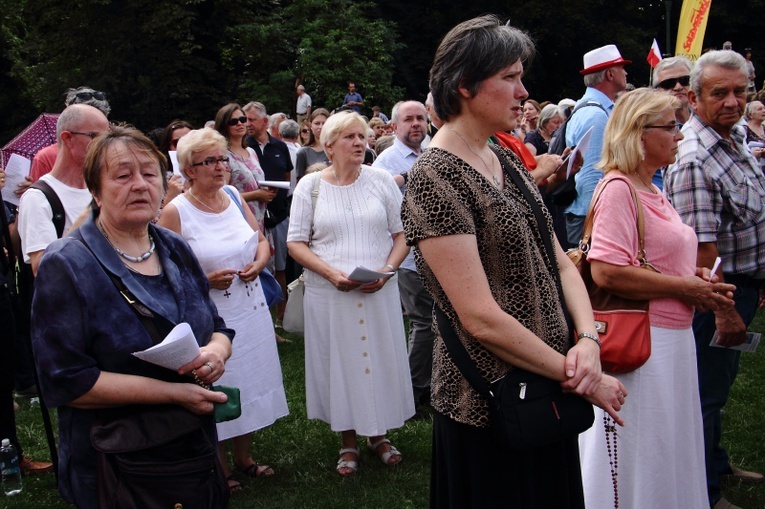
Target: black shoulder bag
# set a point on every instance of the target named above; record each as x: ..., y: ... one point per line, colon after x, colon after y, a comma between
x: 527, y: 410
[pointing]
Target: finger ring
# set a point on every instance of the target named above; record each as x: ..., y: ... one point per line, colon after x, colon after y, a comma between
x: 209, y: 365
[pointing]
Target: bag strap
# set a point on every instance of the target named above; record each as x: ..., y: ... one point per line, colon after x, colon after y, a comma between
x: 314, y: 197
x: 59, y: 215
x: 235, y: 199
x: 454, y: 346
x: 584, y: 244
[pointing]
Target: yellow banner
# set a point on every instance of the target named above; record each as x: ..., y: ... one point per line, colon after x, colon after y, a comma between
x: 693, y: 24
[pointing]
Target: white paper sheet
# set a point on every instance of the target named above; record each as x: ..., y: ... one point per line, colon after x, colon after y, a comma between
x: 366, y: 275
x: 176, y: 168
x: 582, y: 147
x: 16, y: 172
x: 274, y: 183
x: 178, y: 348
x: 249, y: 250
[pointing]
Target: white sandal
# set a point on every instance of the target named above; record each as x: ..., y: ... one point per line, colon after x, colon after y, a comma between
x: 353, y: 465
x: 387, y: 455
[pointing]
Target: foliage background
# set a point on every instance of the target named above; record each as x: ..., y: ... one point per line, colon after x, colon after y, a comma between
x: 163, y: 59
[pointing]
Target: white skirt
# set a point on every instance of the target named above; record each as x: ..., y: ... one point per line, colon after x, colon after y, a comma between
x: 356, y: 364
x: 661, y: 448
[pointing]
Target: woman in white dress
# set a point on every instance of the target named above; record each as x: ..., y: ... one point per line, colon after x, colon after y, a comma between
x: 357, y: 372
x: 659, y: 455
x: 225, y: 237
x: 231, y: 122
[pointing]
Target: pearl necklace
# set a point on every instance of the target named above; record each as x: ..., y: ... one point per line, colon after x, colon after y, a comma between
x: 222, y: 205
x: 135, y: 259
x: 491, y: 171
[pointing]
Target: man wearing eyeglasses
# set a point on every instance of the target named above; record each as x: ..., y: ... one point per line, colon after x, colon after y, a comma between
x: 717, y: 188
x: 46, y: 157
x: 76, y: 128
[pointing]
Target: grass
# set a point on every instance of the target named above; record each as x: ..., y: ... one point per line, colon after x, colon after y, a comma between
x: 304, y: 452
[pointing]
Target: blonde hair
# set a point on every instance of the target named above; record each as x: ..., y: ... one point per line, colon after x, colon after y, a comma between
x: 338, y: 123
x: 197, y: 141
x: 622, y: 139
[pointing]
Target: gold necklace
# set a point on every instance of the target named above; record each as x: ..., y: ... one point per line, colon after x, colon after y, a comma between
x: 643, y: 182
x: 491, y: 171
x: 222, y: 205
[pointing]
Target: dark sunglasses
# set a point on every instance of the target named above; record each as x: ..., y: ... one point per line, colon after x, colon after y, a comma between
x: 670, y: 83
x: 233, y: 121
x: 305, y: 131
x: 87, y: 96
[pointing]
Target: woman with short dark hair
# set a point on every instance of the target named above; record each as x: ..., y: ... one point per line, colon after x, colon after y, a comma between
x: 481, y: 255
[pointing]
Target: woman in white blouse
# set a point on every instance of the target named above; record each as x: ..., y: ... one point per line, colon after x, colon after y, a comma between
x: 357, y: 373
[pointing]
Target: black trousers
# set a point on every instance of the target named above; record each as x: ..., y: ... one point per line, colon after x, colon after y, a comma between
x: 7, y: 368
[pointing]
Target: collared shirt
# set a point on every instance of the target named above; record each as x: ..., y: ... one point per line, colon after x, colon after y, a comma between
x: 397, y: 159
x: 303, y: 103
x: 276, y: 162
x: 356, y: 97
x: 718, y: 189
x: 589, y: 176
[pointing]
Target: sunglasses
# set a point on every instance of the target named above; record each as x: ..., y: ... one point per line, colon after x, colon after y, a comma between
x: 233, y: 121
x: 87, y: 96
x: 670, y: 83
x: 305, y: 131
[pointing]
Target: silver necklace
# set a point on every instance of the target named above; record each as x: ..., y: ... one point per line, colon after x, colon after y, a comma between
x: 490, y: 170
x: 337, y: 180
x: 206, y: 205
x: 135, y: 259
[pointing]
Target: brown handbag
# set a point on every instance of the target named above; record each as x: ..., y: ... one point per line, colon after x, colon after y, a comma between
x: 622, y: 324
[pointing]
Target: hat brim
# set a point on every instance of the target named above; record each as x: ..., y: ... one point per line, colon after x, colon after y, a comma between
x: 605, y: 65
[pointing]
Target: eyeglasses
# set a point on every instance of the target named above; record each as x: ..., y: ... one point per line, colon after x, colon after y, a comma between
x: 233, y: 121
x: 212, y: 161
x: 669, y: 83
x: 672, y: 129
x: 305, y: 131
x: 87, y: 96
x: 89, y: 135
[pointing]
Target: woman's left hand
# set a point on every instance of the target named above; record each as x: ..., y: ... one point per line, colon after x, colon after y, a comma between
x: 583, y: 368
x: 250, y: 272
x: 376, y: 285
x: 210, y: 364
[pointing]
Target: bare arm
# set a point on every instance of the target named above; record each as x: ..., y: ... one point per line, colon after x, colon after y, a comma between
x: 34, y: 260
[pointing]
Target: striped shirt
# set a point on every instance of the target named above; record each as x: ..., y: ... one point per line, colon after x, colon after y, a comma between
x: 718, y: 189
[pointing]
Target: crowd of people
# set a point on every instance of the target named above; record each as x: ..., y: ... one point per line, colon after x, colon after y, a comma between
x: 442, y: 201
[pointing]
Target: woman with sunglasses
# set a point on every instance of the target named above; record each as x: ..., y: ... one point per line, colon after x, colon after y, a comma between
x: 243, y: 161
x: 305, y: 133
x: 313, y: 152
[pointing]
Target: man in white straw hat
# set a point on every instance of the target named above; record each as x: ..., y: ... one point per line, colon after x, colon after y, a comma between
x: 604, y: 77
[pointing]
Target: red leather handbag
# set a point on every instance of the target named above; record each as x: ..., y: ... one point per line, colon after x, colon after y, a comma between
x: 622, y: 324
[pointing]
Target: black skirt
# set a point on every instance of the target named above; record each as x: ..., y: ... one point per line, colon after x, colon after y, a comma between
x: 468, y: 471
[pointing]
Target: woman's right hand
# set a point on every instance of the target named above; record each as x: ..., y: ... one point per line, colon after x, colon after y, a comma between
x: 340, y: 281
x: 198, y: 400
x: 609, y: 396
x: 221, y: 279
x: 265, y: 194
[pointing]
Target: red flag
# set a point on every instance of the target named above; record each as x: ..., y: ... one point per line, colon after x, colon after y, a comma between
x: 654, y: 56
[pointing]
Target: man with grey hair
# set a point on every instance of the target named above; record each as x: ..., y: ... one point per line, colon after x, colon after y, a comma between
x: 289, y: 130
x: 673, y: 75
x: 303, y: 106
x: 274, y: 157
x: 434, y: 121
x: 409, y: 121
x: 43, y: 161
x: 604, y: 77
x: 718, y: 189
x: 274, y: 120
x: 76, y: 128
